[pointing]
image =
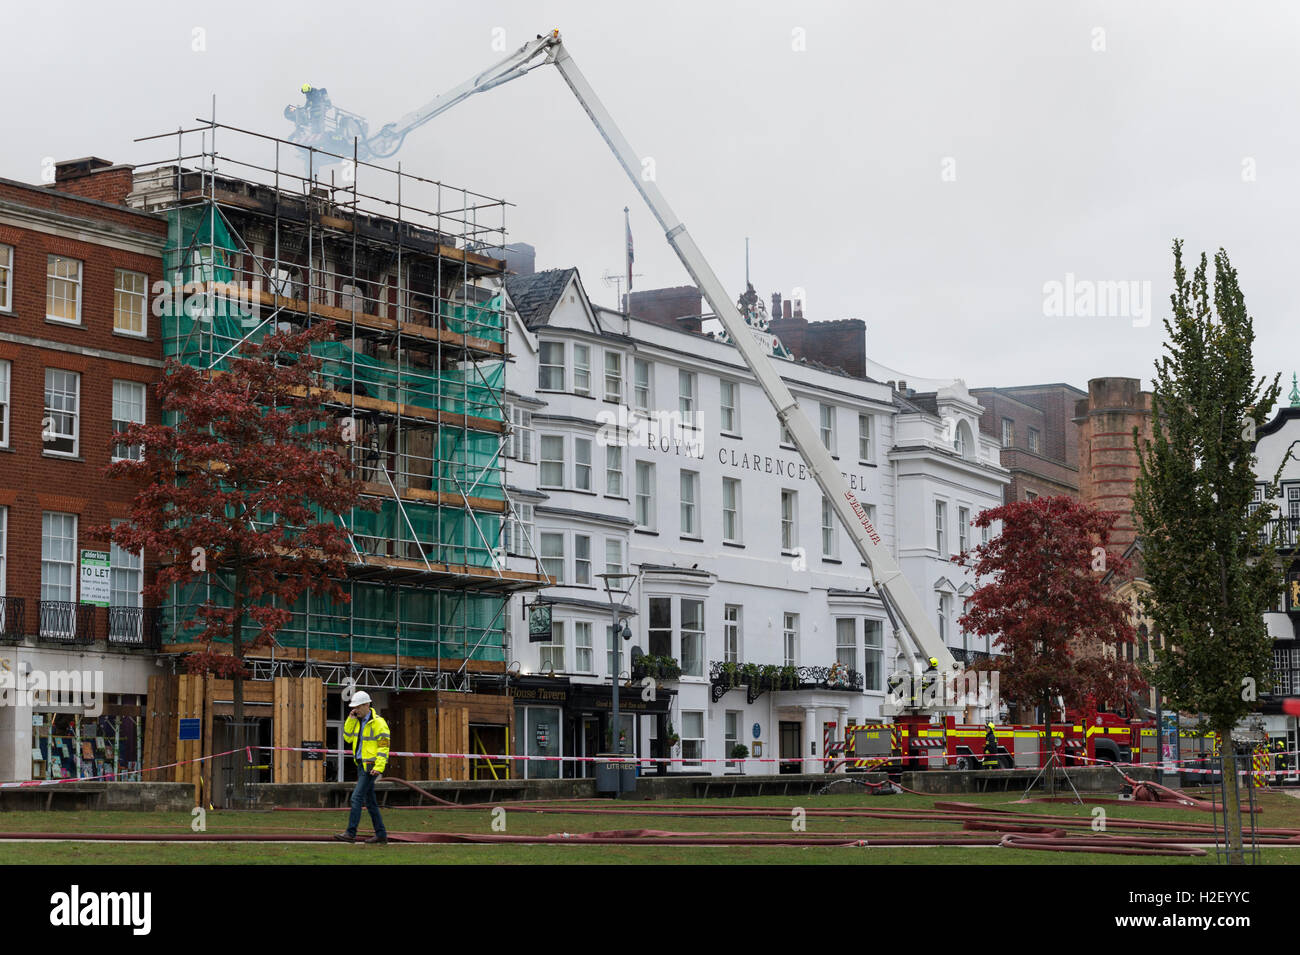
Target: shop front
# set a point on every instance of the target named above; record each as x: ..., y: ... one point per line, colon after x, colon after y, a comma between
x: 559, y: 719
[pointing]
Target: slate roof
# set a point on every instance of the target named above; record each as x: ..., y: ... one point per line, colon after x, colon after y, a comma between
x: 535, y: 295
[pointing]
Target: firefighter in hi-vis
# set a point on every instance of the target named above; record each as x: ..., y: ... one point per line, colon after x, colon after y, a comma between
x: 990, y: 749
x: 367, y: 736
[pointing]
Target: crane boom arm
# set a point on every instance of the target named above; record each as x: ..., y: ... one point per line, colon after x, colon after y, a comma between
x: 900, y: 600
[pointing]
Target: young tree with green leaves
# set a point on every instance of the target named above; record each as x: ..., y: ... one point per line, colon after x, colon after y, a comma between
x: 1210, y: 580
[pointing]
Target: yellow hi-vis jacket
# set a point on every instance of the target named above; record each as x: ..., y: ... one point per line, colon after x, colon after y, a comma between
x: 374, y: 740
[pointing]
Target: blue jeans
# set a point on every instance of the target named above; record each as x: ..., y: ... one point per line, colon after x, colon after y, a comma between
x: 364, y: 794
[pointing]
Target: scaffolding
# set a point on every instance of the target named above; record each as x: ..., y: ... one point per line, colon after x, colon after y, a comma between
x: 408, y: 270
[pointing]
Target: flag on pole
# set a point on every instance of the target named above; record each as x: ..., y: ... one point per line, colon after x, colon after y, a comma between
x: 628, y: 223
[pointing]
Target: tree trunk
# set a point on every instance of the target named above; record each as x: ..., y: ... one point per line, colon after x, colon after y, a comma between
x: 237, y: 682
x: 1050, y: 772
x: 1231, y: 799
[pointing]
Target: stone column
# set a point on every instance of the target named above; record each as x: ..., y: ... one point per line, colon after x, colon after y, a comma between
x: 812, y: 732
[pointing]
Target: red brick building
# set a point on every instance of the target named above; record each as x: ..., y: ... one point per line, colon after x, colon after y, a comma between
x: 78, y: 352
x: 1040, y: 441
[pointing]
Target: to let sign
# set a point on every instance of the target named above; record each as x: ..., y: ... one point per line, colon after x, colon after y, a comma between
x: 95, y: 569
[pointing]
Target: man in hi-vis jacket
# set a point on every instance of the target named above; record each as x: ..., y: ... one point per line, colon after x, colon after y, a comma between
x: 367, y: 736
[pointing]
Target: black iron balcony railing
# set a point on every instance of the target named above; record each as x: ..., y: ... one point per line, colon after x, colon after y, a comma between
x: 756, y: 678
x: 12, y: 613
x: 134, y: 627
x: 1284, y: 531
x: 63, y: 621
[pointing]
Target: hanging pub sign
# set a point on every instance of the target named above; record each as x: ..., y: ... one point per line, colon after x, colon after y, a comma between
x: 539, y: 622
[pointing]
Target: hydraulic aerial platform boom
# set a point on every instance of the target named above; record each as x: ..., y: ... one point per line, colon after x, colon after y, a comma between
x: 901, y: 603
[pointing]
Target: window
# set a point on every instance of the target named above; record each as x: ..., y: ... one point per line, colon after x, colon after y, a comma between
x: 550, y: 367
x: 985, y: 534
x: 1033, y: 440
x: 692, y: 737
x: 944, y: 605
x: 128, y: 407
x: 959, y: 438
x: 690, y: 492
x: 1031, y: 496
x: 4, y: 522
x: 830, y: 540
x: 352, y: 297
x: 613, y: 556
x: 963, y: 529
x: 965, y: 637
x: 686, y: 397
x: 519, y: 530
x: 552, y: 654
x: 5, y: 375
x: 62, y: 412
x: 846, y: 642
x: 582, y: 464
x: 58, y: 557
x: 730, y: 421
x: 827, y: 426
x: 731, y: 633
x: 519, y: 444
x: 940, y: 530
x: 126, y: 577
x: 866, y: 447
x: 6, y: 278
x: 552, y: 459
x: 645, y: 491
x: 582, y: 369
x: 789, y: 528
x: 613, y: 376
x: 582, y: 560
x: 1008, y: 432
x: 873, y: 654
x: 659, y: 633
x: 730, y: 733
x: 553, y: 556
x: 692, y: 637
x: 614, y: 470
x: 280, y: 281
x: 63, y: 290
x: 790, y: 643
x: 642, y: 385
x: 582, y: 657
x: 130, y: 301
x: 609, y: 650
x: 731, y: 510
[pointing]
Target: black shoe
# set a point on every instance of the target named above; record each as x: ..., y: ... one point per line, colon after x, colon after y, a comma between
x: 377, y: 840
x: 344, y: 837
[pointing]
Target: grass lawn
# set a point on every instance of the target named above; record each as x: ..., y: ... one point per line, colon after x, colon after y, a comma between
x: 821, y: 821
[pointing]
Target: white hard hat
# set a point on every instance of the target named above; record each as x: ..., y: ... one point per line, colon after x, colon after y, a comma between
x: 359, y: 697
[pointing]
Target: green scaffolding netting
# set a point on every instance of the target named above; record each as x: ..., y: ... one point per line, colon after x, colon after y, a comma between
x: 409, y: 622
x: 204, y: 330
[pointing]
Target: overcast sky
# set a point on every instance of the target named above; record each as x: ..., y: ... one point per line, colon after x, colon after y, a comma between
x: 926, y: 167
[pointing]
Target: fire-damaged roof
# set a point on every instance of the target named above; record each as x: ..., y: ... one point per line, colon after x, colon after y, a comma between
x: 535, y: 295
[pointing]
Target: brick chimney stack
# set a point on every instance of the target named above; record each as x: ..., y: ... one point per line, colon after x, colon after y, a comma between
x: 1108, y: 462
x: 94, y: 178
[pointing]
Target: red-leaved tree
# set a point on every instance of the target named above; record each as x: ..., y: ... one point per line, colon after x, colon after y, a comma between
x: 233, y: 493
x: 1060, y: 629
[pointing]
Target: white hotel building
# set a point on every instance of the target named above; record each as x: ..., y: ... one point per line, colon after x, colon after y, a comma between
x: 741, y: 566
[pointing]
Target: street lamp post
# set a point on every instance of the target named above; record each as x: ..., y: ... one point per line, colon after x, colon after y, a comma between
x: 618, y: 630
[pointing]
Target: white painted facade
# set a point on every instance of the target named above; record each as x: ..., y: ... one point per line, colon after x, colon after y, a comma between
x: 724, y: 524
x: 1274, y: 447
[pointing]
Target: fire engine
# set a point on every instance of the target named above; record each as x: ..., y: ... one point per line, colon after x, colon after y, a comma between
x: 909, y: 744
